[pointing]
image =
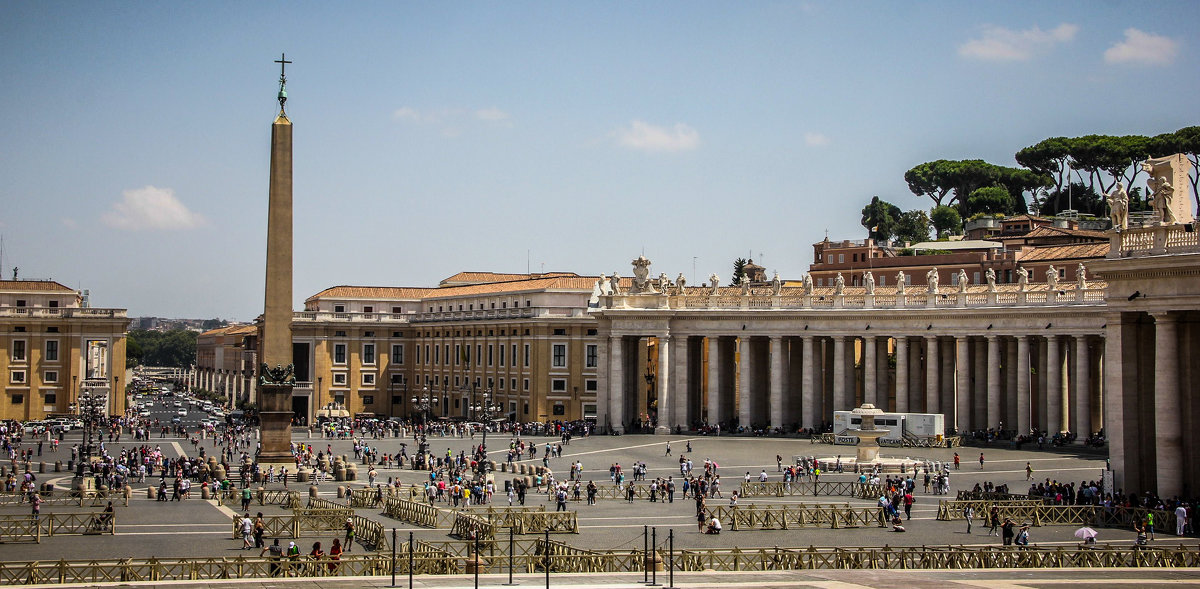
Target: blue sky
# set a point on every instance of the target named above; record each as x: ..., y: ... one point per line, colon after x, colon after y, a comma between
x: 437, y: 137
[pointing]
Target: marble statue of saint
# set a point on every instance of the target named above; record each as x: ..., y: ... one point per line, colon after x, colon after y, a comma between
x: 1164, y: 200
x: 602, y: 286
x: 808, y: 284
x: 1118, y: 204
x: 745, y: 284
x: 839, y: 284
x: 615, y: 281
x: 931, y: 279
x: 776, y: 284
x: 901, y: 280
x: 1081, y: 275
x: 869, y: 282
x: 991, y: 280
x: 1022, y: 278
x: 962, y: 280
x: 663, y: 282
x: 714, y: 282
x: 680, y: 282
x: 1052, y: 277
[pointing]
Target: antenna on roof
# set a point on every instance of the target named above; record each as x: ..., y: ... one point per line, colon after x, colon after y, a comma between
x: 527, y: 261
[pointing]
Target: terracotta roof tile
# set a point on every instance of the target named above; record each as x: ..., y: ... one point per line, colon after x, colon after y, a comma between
x: 464, y: 278
x: 371, y: 292
x: 33, y: 285
x: 1049, y: 231
x: 1074, y: 251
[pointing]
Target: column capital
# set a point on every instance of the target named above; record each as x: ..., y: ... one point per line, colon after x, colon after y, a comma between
x: 1162, y: 316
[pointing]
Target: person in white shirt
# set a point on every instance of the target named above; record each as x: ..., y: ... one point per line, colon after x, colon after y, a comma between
x: 1180, y: 519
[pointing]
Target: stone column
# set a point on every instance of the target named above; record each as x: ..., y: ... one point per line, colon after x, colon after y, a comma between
x: 1168, y: 424
x: 808, y: 405
x: 603, y: 382
x: 962, y: 392
x: 979, y: 373
x: 993, y: 382
x: 1116, y: 430
x: 901, y: 374
x: 1054, y: 381
x: 777, y: 378
x: 663, y: 391
x: 1082, y: 411
x: 839, y: 374
x: 679, y: 377
x: 870, y: 378
x: 1023, y: 415
x: 932, y: 390
x: 1010, y: 384
x: 714, y: 382
x: 745, y: 367
x: 616, y: 383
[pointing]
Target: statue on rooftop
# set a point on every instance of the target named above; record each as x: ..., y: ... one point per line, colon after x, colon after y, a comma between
x: 931, y: 280
x: 962, y: 280
x: 714, y: 282
x: 1022, y: 278
x: 1081, y: 275
x: 869, y: 282
x: 1118, y: 205
x: 641, y: 277
x: 1052, y: 277
x: 808, y: 284
x: 776, y: 284
x: 663, y: 282
x: 680, y: 282
x: 901, y: 283
x: 991, y: 279
x: 839, y: 284
x: 615, y: 281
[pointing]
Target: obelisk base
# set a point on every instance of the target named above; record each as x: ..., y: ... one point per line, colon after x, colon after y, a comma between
x: 275, y: 423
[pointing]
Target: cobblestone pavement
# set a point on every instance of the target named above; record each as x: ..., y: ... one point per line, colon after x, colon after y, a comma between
x: 200, y: 528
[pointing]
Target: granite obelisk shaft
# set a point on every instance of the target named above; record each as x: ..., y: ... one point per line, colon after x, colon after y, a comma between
x: 276, y: 397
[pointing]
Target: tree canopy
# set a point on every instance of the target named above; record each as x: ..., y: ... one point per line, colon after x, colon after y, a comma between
x: 913, y: 226
x: 175, y: 348
x: 739, y: 271
x: 946, y: 221
x: 880, y: 218
x: 958, y: 179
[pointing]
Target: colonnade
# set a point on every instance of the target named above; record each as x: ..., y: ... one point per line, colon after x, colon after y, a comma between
x: 235, y: 385
x: 1014, y: 381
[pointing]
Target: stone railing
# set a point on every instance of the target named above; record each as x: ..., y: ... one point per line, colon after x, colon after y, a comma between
x: 59, y: 312
x: 1154, y: 240
x: 1091, y: 293
x: 328, y: 316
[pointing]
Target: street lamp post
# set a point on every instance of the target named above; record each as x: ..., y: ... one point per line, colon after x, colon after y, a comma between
x: 423, y: 402
x: 90, y: 411
x: 485, y: 410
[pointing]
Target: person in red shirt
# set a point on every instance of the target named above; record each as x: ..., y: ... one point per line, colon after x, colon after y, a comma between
x: 335, y: 554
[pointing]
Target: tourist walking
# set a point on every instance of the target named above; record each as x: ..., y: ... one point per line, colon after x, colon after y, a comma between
x: 969, y: 513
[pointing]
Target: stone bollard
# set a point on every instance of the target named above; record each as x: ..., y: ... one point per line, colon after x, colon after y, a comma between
x: 41, y: 467
x: 476, y: 564
x: 521, y: 468
x: 351, y: 472
x: 152, y: 492
x: 47, y: 488
x: 314, y: 492
x: 339, y: 473
x: 302, y: 475
x: 654, y: 559
x: 503, y: 467
x: 341, y: 491
x: 205, y: 492
x: 57, y: 466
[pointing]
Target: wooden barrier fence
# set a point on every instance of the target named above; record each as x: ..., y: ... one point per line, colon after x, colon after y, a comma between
x: 421, y: 514
x: 754, y: 517
x: 815, y: 488
x: 1040, y: 514
x: 562, y: 558
x: 467, y: 526
x: 26, y: 528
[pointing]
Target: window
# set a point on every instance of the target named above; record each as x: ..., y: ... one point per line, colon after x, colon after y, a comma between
x: 52, y: 329
x: 514, y: 354
x: 339, y: 308
x: 17, y: 377
x: 368, y: 399
x: 368, y: 354
x: 559, y: 355
x: 368, y: 334
x: 339, y: 378
x: 513, y: 385
x: 591, y: 360
x: 18, y: 350
x: 368, y: 309
x: 20, y: 302
x: 50, y: 377
x: 829, y: 259
x: 491, y: 349
x: 339, y: 333
x: 841, y: 258
x: 589, y: 385
x: 558, y: 385
x: 524, y: 406
x: 589, y: 410
x: 20, y: 400
x: 467, y: 355
x: 501, y: 383
x: 51, y: 398
x: 491, y: 382
x: 437, y: 355
x: 478, y: 354
x: 397, y: 353
x: 53, y: 304
x: 560, y: 331
x: 457, y: 354
x: 560, y: 409
x: 427, y: 356
x: 397, y: 399
x: 882, y: 280
x: 19, y: 329
x: 340, y: 399
x: 501, y: 362
x: 525, y: 387
x: 339, y: 353
x: 52, y: 350
x: 397, y: 379
x: 368, y: 379
x: 907, y: 280
x: 527, y: 357
x: 975, y: 278
x: 591, y: 332
x: 397, y: 310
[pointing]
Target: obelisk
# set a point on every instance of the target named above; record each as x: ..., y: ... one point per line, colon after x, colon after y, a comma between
x: 276, y: 377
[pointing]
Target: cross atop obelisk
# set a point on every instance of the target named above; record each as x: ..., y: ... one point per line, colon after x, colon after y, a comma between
x: 276, y: 376
x: 282, y: 61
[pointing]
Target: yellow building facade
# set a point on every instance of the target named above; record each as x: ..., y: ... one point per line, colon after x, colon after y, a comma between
x: 524, y: 339
x: 54, y: 348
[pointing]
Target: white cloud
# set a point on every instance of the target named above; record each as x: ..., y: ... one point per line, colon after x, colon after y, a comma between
x: 1142, y: 47
x: 412, y: 115
x: 643, y: 136
x: 150, y: 208
x: 815, y: 139
x: 491, y: 114
x: 1001, y: 44
x: 69, y: 223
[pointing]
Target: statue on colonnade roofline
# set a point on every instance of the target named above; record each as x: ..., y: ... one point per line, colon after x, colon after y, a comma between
x: 663, y: 282
x: 1022, y: 278
x: 602, y: 286
x: 839, y: 284
x: 991, y: 280
x: 616, y: 283
x: 745, y: 284
x: 1118, y: 204
x: 901, y: 283
x: 714, y: 282
x: 962, y: 280
x: 869, y: 282
x: 1052, y: 277
x: 1081, y: 275
x: 641, y: 276
x: 776, y: 284
x: 808, y: 285
x: 1164, y: 195
x: 931, y: 280
x: 680, y: 282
